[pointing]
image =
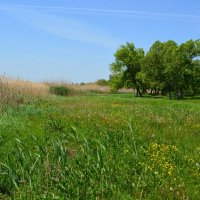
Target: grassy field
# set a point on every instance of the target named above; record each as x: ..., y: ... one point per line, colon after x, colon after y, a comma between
x: 100, y: 147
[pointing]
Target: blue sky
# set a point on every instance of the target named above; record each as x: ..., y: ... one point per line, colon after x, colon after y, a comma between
x: 75, y: 40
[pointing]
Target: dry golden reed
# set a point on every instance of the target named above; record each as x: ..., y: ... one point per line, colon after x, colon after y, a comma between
x: 16, y: 91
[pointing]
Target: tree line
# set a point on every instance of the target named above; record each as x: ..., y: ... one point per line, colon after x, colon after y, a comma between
x: 167, y: 68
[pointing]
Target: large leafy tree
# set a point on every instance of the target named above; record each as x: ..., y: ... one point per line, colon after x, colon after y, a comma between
x: 190, y: 52
x: 153, y: 67
x: 172, y: 73
x: 194, y: 84
x: 171, y: 67
x: 127, y: 65
x: 180, y: 67
x: 167, y: 68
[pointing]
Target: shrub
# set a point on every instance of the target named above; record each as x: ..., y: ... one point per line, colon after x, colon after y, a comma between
x: 59, y: 90
x: 102, y: 82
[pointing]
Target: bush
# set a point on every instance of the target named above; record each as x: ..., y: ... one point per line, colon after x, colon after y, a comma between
x: 102, y: 82
x: 59, y: 90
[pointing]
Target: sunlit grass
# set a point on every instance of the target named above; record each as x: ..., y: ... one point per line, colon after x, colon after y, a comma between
x: 100, y: 147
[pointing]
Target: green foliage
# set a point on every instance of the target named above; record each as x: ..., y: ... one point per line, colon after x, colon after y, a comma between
x: 127, y: 64
x: 102, y: 82
x: 116, y: 82
x: 59, y: 90
x: 166, y: 68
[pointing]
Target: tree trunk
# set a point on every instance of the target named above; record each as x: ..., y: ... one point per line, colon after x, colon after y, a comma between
x: 138, y: 92
x: 163, y: 92
x: 170, y: 96
x: 181, y: 94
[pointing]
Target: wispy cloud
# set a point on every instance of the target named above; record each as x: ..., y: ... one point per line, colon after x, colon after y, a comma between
x: 47, y: 18
x: 112, y: 12
x: 64, y: 26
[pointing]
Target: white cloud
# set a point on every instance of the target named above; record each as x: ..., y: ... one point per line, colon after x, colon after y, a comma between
x: 95, y: 11
x: 47, y: 19
x: 65, y: 27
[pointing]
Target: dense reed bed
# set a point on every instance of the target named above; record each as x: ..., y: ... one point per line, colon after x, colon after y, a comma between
x: 16, y: 91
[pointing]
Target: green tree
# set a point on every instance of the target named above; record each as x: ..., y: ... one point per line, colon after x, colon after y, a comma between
x: 190, y: 52
x: 166, y: 68
x: 172, y: 72
x: 127, y: 65
x: 195, y: 83
x: 153, y: 68
x: 170, y: 67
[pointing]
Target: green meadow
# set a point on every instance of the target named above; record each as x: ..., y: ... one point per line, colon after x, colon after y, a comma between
x: 113, y: 146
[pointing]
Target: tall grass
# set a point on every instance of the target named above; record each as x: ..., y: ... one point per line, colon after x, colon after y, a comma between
x: 109, y: 166
x: 16, y: 91
x: 76, y: 89
x: 101, y: 147
x: 80, y: 89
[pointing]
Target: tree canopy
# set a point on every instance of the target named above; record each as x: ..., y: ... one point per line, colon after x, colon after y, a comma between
x: 128, y: 62
x: 167, y: 68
